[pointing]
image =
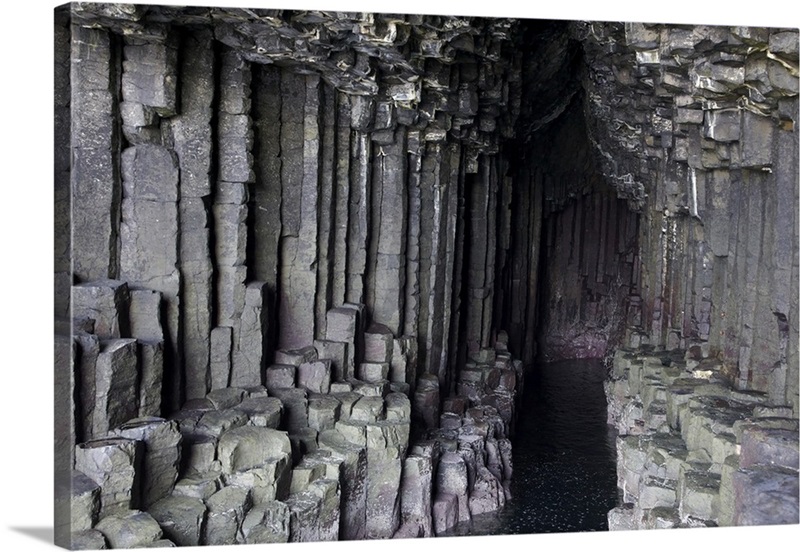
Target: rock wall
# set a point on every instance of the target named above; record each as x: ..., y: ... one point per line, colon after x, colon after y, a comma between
x: 285, y: 223
x: 701, y: 139
x: 697, y: 128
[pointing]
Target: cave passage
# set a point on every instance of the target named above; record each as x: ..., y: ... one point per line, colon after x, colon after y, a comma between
x: 564, y: 456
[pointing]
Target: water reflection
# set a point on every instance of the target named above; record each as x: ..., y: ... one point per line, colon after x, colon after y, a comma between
x: 564, y: 456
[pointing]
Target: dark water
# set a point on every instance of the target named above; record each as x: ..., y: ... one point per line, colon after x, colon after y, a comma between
x: 564, y: 456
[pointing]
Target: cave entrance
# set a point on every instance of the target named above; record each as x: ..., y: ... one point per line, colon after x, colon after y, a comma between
x: 579, y: 242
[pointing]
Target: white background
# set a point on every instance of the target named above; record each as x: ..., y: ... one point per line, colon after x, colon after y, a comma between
x: 26, y: 181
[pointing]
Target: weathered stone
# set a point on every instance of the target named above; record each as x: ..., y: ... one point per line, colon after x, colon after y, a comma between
x: 372, y: 372
x: 378, y: 344
x: 226, y: 514
x: 353, y: 483
x: 329, y: 495
x: 181, y: 518
x: 723, y: 126
x: 248, y: 363
x: 698, y: 495
x: 398, y: 407
x: 231, y: 228
x: 368, y: 409
x: 338, y: 387
x: 89, y: 539
x: 245, y: 448
x: 132, y: 529
x: 315, y: 377
x: 227, y: 397
x: 198, y: 485
x: 656, y: 492
x: 230, y: 293
x: 199, y: 454
x: 148, y: 75
x: 769, y: 447
x: 765, y: 496
x: 162, y: 455
x: 451, y: 479
x: 336, y: 352
x: 232, y: 193
x: 416, y: 490
x: 295, y: 408
x: 89, y: 348
x: 621, y: 518
x: 113, y: 464
x: 445, y: 512
x: 384, y: 468
x: 107, y: 303
x: 382, y: 434
x: 214, y: 423
x: 151, y: 378
x: 150, y: 172
x: 304, y: 441
x: 267, y: 483
x: 84, y: 502
x: 487, y: 493
x: 262, y: 411
x: 348, y: 399
x: 93, y: 171
x: 660, y: 518
x: 425, y: 406
x: 304, y: 510
x: 280, y: 376
x: 323, y: 412
x: 784, y: 42
x: 145, y: 315
x: 267, y: 523
x: 377, y: 389
x: 403, y: 364
x: 116, y: 375
x: 342, y: 325
x: 296, y: 357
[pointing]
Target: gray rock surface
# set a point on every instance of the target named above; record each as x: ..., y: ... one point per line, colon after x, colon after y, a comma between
x: 181, y: 518
x: 113, y: 464
x: 133, y: 529
x: 162, y: 455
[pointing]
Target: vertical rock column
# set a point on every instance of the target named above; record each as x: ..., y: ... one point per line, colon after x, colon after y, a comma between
x: 361, y: 115
x: 116, y: 397
x: 300, y: 140
x: 62, y: 194
x: 149, y: 224
x: 230, y: 209
x: 67, y: 406
x: 342, y: 197
x: 145, y: 321
x: 327, y: 207
x: 149, y: 233
x: 95, y: 150
x: 114, y: 465
x: 161, y: 455
x: 265, y: 196
x: 430, y: 271
x: 412, y: 287
x: 480, y: 265
x: 389, y: 232
x: 191, y: 134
